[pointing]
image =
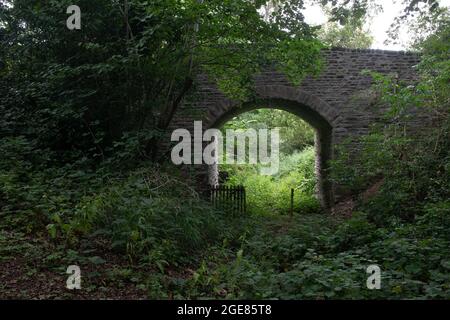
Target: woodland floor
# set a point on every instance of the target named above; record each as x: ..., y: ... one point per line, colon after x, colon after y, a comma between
x: 33, y: 267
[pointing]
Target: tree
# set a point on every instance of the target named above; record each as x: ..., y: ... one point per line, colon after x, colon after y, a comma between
x: 352, y: 35
x: 133, y: 62
x: 296, y: 134
x: 345, y: 10
x: 351, y: 13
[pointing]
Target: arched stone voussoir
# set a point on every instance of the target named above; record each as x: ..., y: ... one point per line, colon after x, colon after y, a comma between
x: 283, y: 95
x: 218, y: 110
x: 328, y: 112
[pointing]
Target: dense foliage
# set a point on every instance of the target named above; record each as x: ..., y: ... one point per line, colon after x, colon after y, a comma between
x: 77, y: 93
x: 81, y: 113
x: 269, y: 194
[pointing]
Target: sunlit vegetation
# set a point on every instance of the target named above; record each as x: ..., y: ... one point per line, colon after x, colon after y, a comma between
x: 271, y: 194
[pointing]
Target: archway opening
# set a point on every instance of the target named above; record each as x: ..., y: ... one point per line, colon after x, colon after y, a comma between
x: 305, y: 150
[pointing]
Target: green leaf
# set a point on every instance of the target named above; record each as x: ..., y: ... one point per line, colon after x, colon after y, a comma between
x: 51, y: 228
x: 445, y: 264
x: 96, y: 260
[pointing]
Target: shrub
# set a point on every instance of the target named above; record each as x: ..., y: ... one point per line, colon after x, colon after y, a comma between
x: 272, y: 194
x: 153, y: 217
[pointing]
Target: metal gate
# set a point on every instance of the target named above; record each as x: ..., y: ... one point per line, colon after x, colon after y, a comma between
x: 231, y: 199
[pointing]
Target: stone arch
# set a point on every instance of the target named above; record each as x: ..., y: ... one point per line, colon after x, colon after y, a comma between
x: 327, y: 98
x: 312, y: 109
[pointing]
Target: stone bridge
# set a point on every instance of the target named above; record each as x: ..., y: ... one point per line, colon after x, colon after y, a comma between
x: 337, y: 103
